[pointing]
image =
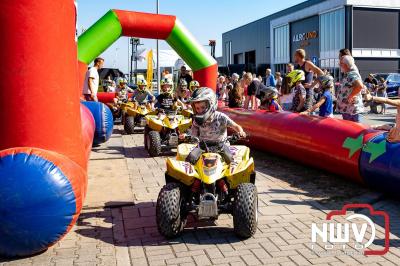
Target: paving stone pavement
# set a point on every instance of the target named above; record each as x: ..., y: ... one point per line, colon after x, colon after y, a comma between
x: 291, y: 197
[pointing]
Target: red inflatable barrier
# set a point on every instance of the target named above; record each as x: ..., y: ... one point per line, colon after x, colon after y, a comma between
x: 108, y: 97
x: 88, y: 127
x: 311, y: 140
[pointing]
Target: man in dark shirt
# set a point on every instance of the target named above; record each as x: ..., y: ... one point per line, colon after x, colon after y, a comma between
x: 185, y: 75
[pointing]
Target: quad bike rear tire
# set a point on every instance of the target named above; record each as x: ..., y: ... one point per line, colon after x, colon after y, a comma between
x: 245, y: 216
x: 154, y: 143
x: 129, y: 124
x: 146, y: 132
x: 171, y: 219
x: 123, y: 115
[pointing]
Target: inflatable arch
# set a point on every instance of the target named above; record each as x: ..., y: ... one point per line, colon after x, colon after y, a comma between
x: 117, y: 23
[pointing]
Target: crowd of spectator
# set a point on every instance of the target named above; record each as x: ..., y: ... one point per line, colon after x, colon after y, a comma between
x: 303, y: 88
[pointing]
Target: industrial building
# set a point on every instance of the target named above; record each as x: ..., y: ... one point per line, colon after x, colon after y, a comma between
x: 369, y: 28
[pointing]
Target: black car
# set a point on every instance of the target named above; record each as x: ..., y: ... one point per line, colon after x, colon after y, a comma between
x: 393, y: 83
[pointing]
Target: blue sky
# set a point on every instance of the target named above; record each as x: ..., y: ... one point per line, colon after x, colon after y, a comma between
x: 205, y: 19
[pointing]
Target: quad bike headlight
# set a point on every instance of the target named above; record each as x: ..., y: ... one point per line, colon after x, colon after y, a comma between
x: 210, y: 165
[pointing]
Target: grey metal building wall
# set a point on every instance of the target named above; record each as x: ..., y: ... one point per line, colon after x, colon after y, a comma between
x: 253, y: 36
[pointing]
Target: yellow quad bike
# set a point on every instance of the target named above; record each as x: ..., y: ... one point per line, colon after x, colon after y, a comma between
x: 162, y: 131
x: 123, y: 107
x: 117, y: 109
x: 207, y: 189
x: 135, y: 117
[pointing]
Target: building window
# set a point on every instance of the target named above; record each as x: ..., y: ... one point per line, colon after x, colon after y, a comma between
x: 238, y: 58
x: 250, y: 61
x: 280, y: 68
x: 281, y: 45
x: 332, y: 39
x: 228, y: 53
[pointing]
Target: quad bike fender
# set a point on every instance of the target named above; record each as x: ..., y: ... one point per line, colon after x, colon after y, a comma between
x: 171, y: 124
x: 240, y: 172
x: 185, y: 125
x: 131, y: 112
x: 177, y: 122
x: 151, y: 112
x: 181, y: 171
x: 240, y: 153
x: 183, y: 151
x: 187, y: 113
x: 154, y: 123
x: 126, y: 105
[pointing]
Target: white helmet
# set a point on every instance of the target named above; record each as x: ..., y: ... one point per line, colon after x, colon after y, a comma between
x: 121, y: 80
x: 169, y: 82
x: 207, y: 95
x: 141, y: 82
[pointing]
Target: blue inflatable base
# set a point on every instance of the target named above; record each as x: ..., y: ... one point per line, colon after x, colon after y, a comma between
x: 104, y: 121
x: 380, y: 165
x: 37, y: 204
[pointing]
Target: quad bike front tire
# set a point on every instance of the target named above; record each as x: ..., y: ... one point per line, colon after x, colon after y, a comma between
x: 245, y: 216
x: 170, y: 217
x: 154, y: 143
x: 129, y: 124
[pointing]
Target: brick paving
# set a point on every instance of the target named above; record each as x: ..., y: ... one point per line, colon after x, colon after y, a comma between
x: 116, y: 231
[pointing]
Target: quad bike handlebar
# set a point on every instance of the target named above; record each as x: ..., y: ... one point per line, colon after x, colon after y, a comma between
x: 231, y: 139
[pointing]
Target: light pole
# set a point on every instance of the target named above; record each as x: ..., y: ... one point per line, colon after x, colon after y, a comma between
x: 212, y: 44
x: 135, y: 42
x: 132, y: 53
x: 129, y: 60
x: 158, y: 56
x: 115, y: 58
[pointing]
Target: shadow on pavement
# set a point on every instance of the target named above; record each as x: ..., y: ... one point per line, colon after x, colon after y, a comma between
x: 324, y: 191
x: 136, y: 226
x: 328, y: 189
x: 384, y: 119
x: 140, y: 152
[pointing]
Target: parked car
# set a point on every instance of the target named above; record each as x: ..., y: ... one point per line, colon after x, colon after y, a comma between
x: 393, y: 83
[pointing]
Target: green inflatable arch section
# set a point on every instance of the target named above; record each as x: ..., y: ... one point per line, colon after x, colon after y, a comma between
x: 111, y: 27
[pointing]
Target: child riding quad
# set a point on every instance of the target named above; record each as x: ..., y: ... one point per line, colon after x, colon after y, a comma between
x: 162, y: 130
x: 183, y: 96
x: 209, y: 177
x: 121, y: 97
x: 134, y: 115
x: 182, y: 93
